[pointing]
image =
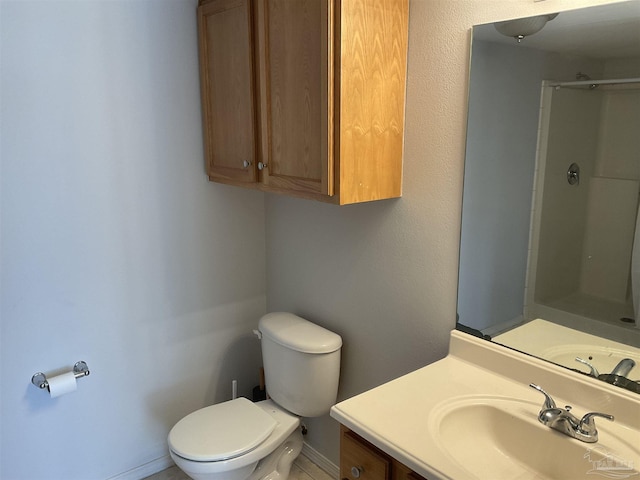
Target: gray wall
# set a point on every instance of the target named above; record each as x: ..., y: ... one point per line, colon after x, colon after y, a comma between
x: 504, y: 102
x: 115, y: 248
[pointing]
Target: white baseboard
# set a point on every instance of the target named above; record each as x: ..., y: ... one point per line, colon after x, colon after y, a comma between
x: 162, y: 463
x: 143, y: 471
x: 320, y: 460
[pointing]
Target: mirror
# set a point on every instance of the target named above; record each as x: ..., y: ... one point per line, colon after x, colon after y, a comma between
x: 551, y: 191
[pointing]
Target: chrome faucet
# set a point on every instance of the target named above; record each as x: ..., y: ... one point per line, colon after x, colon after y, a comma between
x: 618, y: 375
x: 624, y: 367
x: 564, y: 421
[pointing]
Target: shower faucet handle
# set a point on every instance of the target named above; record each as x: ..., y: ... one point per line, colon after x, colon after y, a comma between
x: 573, y: 174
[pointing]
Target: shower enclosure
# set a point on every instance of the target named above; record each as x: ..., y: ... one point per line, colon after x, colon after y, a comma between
x: 585, y: 205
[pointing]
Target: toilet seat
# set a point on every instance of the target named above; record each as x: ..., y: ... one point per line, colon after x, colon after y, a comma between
x: 241, y: 466
x: 198, y: 437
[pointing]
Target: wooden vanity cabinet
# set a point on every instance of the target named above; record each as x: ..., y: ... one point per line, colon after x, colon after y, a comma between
x: 360, y: 460
x: 305, y: 97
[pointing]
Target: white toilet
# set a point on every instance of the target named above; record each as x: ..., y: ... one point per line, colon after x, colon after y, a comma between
x: 241, y: 440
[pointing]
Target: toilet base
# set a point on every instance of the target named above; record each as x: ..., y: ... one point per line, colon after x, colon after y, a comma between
x: 277, y: 465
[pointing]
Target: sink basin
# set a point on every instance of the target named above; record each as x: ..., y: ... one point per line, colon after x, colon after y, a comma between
x: 500, y: 437
x: 604, y: 359
x: 472, y: 415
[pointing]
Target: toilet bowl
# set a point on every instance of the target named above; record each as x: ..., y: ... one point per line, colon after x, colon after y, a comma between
x: 241, y: 440
x: 258, y: 436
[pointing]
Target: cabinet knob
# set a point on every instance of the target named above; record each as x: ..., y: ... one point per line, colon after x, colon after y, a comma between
x: 356, y: 472
x: 261, y: 165
x: 246, y: 163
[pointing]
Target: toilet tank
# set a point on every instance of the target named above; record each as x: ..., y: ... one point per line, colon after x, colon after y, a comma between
x: 301, y: 363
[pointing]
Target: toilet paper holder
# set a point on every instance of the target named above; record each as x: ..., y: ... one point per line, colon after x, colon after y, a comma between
x: 80, y: 369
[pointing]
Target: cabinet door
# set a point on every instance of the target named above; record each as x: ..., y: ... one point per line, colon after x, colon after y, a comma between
x: 295, y: 71
x: 227, y: 89
x: 361, y: 461
x: 372, y: 65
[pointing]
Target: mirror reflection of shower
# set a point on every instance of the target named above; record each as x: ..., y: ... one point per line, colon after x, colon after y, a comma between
x: 584, y: 77
x: 583, y: 259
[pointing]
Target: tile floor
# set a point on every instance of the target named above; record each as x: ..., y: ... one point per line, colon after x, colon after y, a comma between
x: 303, y: 469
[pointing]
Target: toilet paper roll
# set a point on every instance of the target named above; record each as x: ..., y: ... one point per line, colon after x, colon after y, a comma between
x: 62, y: 384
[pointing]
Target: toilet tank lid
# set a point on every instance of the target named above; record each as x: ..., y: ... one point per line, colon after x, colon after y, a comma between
x: 298, y: 334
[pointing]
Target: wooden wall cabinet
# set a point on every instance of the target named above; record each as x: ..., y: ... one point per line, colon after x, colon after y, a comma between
x: 305, y: 97
x: 360, y: 460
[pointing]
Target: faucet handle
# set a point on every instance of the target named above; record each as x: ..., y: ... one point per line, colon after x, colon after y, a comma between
x: 548, y: 401
x: 594, y: 372
x: 587, y: 425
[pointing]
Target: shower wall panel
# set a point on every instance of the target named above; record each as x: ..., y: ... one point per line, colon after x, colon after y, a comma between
x: 586, y: 230
x: 611, y: 219
x: 619, y: 142
x: 573, y: 128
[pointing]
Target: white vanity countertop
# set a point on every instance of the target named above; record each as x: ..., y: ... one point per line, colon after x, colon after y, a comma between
x: 396, y: 416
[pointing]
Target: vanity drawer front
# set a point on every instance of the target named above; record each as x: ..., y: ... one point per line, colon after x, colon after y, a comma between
x: 362, y: 461
x: 402, y: 472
